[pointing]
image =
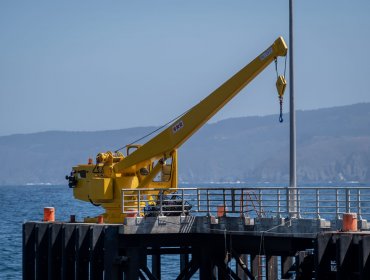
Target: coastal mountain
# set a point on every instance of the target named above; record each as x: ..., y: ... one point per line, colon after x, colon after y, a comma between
x: 333, y: 145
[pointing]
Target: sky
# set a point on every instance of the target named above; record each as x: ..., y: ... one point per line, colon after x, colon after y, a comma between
x: 102, y: 65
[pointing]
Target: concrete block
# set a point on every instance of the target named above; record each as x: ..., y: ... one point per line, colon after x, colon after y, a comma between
x: 140, y: 220
x: 162, y: 220
x: 184, y: 219
x: 308, y: 225
x: 213, y: 220
x: 150, y: 220
x: 201, y: 224
x: 222, y: 220
x: 248, y: 221
x: 129, y: 221
x: 269, y: 224
x: 336, y: 224
x: 362, y: 224
x: 322, y: 223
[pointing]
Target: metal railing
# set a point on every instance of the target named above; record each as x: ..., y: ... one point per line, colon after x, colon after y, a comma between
x: 312, y: 202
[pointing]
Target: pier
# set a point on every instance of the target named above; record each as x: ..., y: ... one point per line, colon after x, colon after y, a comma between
x: 219, y: 233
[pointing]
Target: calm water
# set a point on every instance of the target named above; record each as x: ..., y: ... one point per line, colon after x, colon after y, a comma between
x: 26, y: 203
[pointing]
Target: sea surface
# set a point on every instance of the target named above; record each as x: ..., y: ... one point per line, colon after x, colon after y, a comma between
x: 19, y: 204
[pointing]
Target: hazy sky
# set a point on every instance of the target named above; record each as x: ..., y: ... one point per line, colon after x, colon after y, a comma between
x: 98, y: 65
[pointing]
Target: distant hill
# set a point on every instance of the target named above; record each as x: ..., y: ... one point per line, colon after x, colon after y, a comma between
x: 333, y: 145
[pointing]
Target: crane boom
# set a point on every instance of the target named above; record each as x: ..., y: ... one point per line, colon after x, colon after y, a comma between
x: 176, y: 134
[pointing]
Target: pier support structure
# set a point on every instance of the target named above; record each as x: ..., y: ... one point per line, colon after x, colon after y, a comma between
x: 227, y: 250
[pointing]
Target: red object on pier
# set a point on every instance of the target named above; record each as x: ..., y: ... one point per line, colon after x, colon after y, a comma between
x: 349, y: 222
x: 100, y: 219
x: 49, y: 214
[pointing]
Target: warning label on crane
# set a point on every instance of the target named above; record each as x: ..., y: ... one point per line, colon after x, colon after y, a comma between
x: 266, y: 53
x: 179, y: 125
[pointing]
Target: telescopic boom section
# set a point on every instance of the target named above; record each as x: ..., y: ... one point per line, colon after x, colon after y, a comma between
x: 162, y: 145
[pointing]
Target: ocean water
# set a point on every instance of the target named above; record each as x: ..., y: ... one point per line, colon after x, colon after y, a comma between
x: 26, y: 203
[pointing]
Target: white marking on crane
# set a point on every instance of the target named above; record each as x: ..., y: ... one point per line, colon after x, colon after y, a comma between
x: 179, y: 125
x: 266, y: 53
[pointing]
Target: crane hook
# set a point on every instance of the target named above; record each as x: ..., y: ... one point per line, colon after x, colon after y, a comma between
x: 280, y: 86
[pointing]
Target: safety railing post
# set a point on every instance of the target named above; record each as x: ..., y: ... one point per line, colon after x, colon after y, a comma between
x: 138, y: 202
x: 318, y: 203
x: 348, y: 201
x: 287, y: 193
x: 233, y: 201
x: 359, y: 212
x: 337, y: 206
x: 241, y: 202
x: 260, y: 202
x: 123, y: 201
x: 182, y: 203
x: 160, y: 193
x: 278, y: 204
x: 198, y: 199
x: 298, y: 193
x: 224, y: 200
x: 208, y: 206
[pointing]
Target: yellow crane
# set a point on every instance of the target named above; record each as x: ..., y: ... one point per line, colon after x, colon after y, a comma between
x: 154, y: 164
